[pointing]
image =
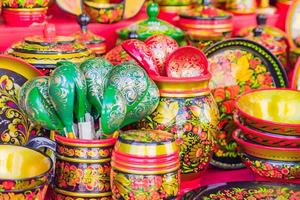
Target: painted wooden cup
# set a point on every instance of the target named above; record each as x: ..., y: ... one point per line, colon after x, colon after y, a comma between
x: 82, y: 167
x: 188, y: 110
x: 145, y: 165
x: 21, y: 177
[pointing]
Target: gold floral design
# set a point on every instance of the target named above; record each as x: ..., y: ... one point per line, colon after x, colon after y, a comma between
x: 33, y: 194
x: 94, y: 178
x: 15, y: 126
x: 146, y: 187
x: 95, y: 153
x: 194, y: 123
x: 234, y: 72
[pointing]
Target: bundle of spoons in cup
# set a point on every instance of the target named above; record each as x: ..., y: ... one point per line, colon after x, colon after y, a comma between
x: 90, y: 101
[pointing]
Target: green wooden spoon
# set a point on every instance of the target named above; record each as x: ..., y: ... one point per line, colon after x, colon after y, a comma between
x: 145, y: 107
x: 113, y: 112
x: 67, y: 89
x: 131, y: 81
x: 35, y: 101
x: 96, y: 72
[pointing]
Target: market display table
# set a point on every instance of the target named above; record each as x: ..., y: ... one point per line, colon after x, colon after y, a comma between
x: 215, y: 176
x: 66, y: 25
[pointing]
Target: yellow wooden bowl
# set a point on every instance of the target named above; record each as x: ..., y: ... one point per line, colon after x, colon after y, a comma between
x: 23, y: 172
x: 271, y: 110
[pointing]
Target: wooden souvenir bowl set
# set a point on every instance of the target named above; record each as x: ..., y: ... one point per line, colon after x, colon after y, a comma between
x: 268, y: 132
x: 235, y: 65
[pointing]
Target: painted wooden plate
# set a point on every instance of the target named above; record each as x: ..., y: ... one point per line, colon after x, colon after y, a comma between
x: 245, y: 190
x: 292, y: 24
x: 295, y: 84
x: 238, y: 65
x: 15, y: 127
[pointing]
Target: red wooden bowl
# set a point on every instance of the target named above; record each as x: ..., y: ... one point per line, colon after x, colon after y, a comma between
x: 271, y: 110
x: 266, y: 138
x: 265, y: 152
x: 186, y: 62
x: 24, y: 16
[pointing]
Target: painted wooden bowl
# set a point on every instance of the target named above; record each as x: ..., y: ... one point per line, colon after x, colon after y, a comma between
x: 266, y: 138
x: 24, y: 12
x: 206, y: 18
x: 44, y: 51
x: 265, y: 152
x: 21, y: 176
x: 237, y: 66
x: 273, y: 169
x: 24, y: 16
x: 105, y: 13
x: 271, y: 110
x: 146, y: 163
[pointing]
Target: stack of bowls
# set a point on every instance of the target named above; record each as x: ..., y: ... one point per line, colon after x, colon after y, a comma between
x: 269, y: 132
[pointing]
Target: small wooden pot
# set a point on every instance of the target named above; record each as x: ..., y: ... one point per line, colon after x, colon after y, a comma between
x: 145, y: 165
